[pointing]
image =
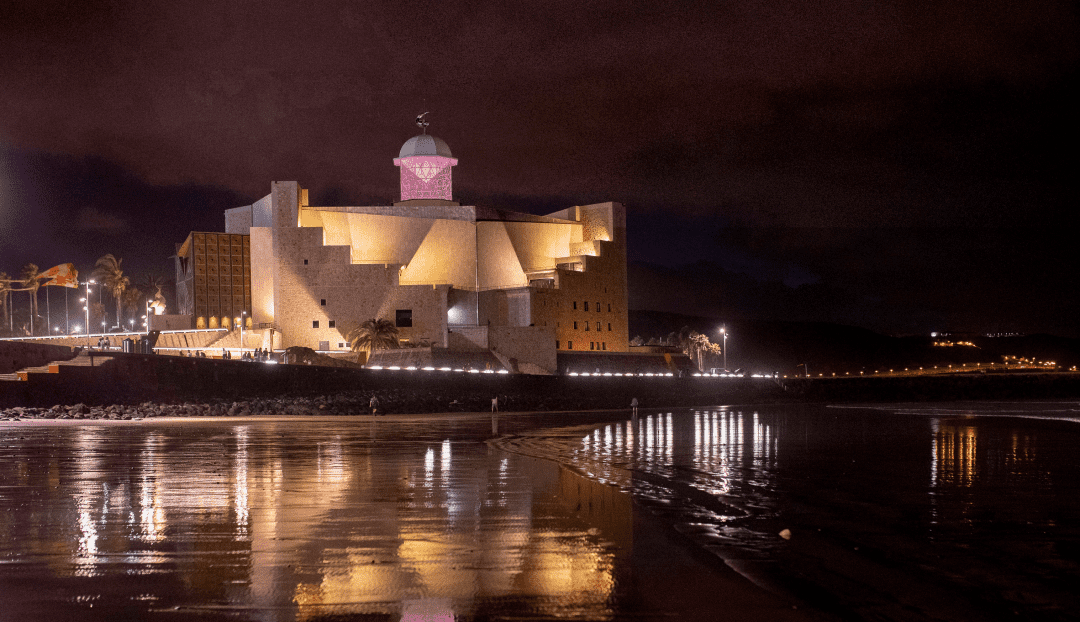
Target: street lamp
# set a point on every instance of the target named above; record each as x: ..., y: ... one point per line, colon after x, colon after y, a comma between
x: 723, y: 333
x: 87, y: 309
x: 242, y: 313
x: 147, y: 316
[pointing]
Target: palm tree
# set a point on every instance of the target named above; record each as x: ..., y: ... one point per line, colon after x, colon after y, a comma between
x: 134, y: 301
x: 374, y: 335
x: 5, y: 298
x: 108, y: 269
x: 32, y: 283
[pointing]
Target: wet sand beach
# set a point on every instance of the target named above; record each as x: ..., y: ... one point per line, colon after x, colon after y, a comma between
x: 901, y: 512
x: 285, y: 518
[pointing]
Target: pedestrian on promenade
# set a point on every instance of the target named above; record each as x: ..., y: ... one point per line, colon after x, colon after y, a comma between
x: 374, y: 405
x: 634, y: 405
x: 495, y: 404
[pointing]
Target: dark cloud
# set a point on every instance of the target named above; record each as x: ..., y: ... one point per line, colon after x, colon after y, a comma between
x: 795, y: 145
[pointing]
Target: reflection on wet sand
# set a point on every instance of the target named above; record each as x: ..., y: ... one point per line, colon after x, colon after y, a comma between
x: 299, y: 524
x: 953, y: 454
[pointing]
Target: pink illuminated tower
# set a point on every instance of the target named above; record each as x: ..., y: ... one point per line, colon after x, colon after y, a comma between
x: 425, y: 163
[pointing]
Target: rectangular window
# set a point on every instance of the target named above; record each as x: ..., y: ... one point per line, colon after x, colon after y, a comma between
x: 575, y: 325
x: 569, y: 345
x: 322, y: 302
x: 609, y: 326
x: 586, y: 326
x: 605, y: 345
x: 341, y: 344
x: 609, y: 307
x: 305, y: 262
x: 598, y: 307
x: 403, y: 318
x: 575, y: 305
x: 556, y: 344
x: 598, y: 326
x: 333, y: 324
x: 592, y: 345
x: 315, y: 324
x: 586, y: 305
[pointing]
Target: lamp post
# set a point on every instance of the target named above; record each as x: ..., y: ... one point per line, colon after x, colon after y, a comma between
x: 147, y: 316
x: 242, y: 313
x: 723, y: 333
x: 87, y: 309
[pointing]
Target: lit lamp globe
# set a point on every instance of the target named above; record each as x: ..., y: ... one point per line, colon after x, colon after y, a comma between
x: 425, y: 162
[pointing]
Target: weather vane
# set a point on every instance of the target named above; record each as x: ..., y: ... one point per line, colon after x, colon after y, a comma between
x: 421, y: 122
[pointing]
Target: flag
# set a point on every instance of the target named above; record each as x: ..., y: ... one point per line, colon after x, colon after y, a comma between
x: 64, y: 275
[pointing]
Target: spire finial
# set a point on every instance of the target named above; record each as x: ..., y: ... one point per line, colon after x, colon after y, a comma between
x: 421, y: 122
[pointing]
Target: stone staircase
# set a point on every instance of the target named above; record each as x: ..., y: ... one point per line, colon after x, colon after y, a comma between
x: 82, y: 360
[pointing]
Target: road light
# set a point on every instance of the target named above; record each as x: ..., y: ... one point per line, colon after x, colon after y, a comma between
x: 87, y: 309
x: 242, y: 313
x: 723, y: 333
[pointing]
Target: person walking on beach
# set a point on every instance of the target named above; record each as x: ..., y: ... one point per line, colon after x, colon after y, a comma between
x: 495, y: 404
x: 634, y: 405
x: 374, y: 405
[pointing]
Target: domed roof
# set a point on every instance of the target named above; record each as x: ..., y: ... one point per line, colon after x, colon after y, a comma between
x: 425, y: 145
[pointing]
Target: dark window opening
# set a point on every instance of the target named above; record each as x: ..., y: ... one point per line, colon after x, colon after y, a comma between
x: 592, y: 345
x: 403, y: 318
x: 586, y: 305
x: 569, y: 345
x: 305, y: 262
x: 609, y: 307
x: 323, y: 302
x: 609, y: 326
x: 598, y: 307
x: 315, y: 324
x: 575, y: 305
x: 333, y: 324
x: 598, y: 326
x: 586, y: 326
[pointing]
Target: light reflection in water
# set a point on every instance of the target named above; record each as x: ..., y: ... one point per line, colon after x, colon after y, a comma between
x: 953, y: 454
x: 305, y: 523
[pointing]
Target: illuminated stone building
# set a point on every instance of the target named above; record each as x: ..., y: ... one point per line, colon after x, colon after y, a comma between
x: 452, y: 277
x: 213, y: 277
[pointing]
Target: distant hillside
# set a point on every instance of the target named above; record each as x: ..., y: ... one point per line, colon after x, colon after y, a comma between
x: 827, y: 348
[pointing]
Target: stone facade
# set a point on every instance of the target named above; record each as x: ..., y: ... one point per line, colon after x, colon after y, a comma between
x: 464, y: 278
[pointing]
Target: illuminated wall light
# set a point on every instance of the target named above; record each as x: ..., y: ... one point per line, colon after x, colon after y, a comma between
x: 429, y: 368
x: 411, y: 368
x: 394, y: 367
x: 573, y: 373
x: 375, y: 367
x: 503, y: 371
x: 444, y: 369
x: 474, y: 371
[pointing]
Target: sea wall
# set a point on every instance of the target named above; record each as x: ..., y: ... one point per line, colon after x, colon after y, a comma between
x: 17, y: 355
x: 124, y: 378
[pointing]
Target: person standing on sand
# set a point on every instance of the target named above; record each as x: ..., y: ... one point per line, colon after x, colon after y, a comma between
x: 374, y: 405
x: 634, y: 405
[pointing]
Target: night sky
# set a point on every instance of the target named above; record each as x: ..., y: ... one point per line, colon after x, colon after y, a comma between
x: 901, y: 166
